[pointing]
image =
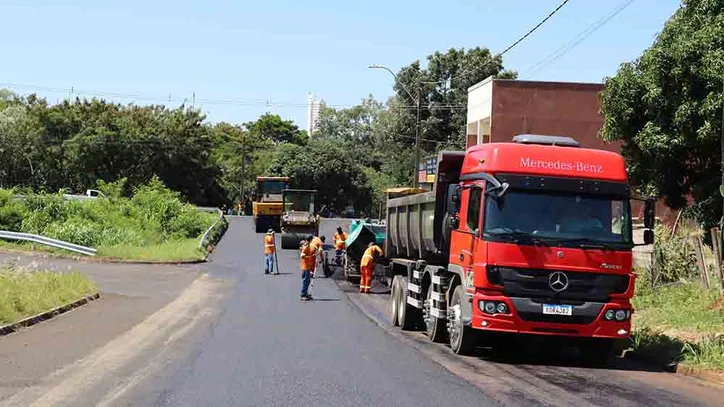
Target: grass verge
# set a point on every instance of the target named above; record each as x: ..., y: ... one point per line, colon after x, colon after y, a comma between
x: 27, y: 293
x: 680, y: 324
x: 178, y: 250
x: 175, y: 250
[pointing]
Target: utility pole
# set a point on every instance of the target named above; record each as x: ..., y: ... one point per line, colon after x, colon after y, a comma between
x: 417, y: 120
x: 416, y: 174
x: 243, y: 167
x: 721, y: 191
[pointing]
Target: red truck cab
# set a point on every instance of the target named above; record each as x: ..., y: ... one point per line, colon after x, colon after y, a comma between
x: 537, y: 236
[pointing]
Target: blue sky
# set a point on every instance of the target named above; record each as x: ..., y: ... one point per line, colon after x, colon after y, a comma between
x: 279, y: 50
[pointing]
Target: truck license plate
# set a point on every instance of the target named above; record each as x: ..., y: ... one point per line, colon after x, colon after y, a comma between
x: 557, y: 309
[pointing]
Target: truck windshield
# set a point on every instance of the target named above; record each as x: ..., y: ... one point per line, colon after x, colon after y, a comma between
x: 272, y: 187
x: 303, y: 202
x: 567, y: 220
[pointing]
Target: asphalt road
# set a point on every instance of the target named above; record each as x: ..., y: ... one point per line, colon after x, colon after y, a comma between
x: 236, y: 337
x: 271, y: 349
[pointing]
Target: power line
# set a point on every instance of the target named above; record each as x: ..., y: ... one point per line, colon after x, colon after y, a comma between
x: 555, y: 55
x: 223, y: 102
x: 511, y: 46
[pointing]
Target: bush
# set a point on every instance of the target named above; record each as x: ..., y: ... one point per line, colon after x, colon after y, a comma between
x: 675, y: 258
x: 154, y: 215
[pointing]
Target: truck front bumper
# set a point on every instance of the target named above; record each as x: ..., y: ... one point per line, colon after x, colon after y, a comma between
x: 525, y: 316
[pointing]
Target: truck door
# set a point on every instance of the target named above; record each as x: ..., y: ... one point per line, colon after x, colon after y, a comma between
x: 465, y: 238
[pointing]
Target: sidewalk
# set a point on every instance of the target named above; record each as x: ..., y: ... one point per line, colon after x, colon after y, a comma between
x: 129, y: 294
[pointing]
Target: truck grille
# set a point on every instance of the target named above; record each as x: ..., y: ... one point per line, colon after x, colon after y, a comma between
x: 557, y: 319
x: 533, y: 283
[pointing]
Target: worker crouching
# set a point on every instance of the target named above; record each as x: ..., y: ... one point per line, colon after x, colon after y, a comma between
x: 308, y: 260
x: 367, y: 267
x: 340, y: 243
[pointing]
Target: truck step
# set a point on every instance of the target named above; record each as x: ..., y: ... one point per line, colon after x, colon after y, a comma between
x: 414, y: 288
x: 438, y: 296
x: 438, y: 313
x: 439, y: 280
x: 415, y: 303
x: 417, y: 274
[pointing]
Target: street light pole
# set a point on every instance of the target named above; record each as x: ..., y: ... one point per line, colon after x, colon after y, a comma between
x: 418, y: 100
x: 416, y: 175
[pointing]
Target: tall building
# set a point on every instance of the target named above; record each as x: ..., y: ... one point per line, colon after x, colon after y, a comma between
x: 313, y: 108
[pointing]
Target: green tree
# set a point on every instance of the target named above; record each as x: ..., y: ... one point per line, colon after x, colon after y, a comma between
x: 241, y: 156
x: 274, y: 128
x: 666, y: 107
x: 443, y: 86
x: 326, y: 166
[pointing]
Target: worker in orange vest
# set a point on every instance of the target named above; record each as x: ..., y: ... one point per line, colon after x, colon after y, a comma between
x: 368, y: 266
x: 340, y: 244
x: 308, y: 260
x: 318, y: 243
x: 269, y: 249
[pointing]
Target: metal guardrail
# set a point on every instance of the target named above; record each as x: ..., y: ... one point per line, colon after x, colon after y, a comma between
x: 29, y: 237
x: 202, y: 242
x: 206, y: 209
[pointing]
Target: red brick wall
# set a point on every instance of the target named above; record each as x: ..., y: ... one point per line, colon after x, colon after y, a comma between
x: 564, y: 109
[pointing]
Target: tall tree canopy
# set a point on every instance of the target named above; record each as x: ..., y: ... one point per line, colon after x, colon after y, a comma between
x: 273, y: 127
x: 666, y: 107
x: 327, y: 167
x: 443, y: 86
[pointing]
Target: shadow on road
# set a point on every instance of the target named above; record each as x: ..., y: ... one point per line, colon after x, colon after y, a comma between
x: 544, y: 351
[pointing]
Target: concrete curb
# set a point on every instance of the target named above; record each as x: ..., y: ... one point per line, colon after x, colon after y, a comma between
x: 682, y: 369
x: 706, y: 375
x: 24, y: 323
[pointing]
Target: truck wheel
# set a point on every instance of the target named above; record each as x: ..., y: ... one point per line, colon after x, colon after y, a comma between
x: 410, y: 317
x: 462, y: 337
x: 290, y: 241
x: 434, y: 326
x: 395, y: 303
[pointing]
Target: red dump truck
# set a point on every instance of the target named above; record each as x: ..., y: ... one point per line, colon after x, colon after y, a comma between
x: 528, y: 237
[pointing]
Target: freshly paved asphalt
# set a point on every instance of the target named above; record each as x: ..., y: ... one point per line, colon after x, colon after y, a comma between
x: 270, y: 349
x: 256, y: 344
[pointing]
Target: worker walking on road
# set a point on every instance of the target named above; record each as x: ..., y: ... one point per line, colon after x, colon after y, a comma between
x: 308, y: 260
x: 318, y: 243
x: 269, y: 250
x: 367, y: 267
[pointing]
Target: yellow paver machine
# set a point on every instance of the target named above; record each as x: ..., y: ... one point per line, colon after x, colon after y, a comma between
x: 268, y: 206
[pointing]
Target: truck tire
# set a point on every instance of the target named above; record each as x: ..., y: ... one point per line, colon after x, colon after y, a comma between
x: 435, y: 327
x: 462, y: 337
x: 410, y: 317
x: 290, y: 241
x: 395, y: 303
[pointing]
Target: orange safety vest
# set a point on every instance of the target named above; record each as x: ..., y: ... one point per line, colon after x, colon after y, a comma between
x: 269, y: 244
x: 317, y: 243
x: 308, y: 257
x: 368, y: 258
x: 339, y: 240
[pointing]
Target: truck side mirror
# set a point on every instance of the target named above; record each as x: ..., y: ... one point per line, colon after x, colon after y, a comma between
x: 453, y: 199
x: 649, y: 213
x: 648, y: 237
x: 454, y: 223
